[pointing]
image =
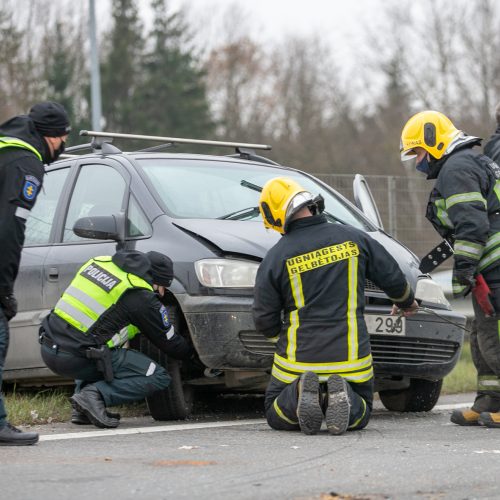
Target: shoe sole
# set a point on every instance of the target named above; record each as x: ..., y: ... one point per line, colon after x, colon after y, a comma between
x: 488, y: 423
x: 26, y: 442
x: 81, y: 405
x: 308, y: 407
x: 460, y: 420
x: 337, y: 413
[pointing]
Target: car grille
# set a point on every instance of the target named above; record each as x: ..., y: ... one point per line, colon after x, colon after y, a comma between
x: 370, y: 286
x: 386, y: 349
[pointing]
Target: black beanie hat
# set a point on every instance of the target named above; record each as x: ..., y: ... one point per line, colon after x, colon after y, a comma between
x: 50, y: 119
x: 162, y: 268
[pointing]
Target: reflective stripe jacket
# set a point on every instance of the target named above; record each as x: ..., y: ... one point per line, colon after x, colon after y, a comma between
x: 97, y: 286
x: 465, y: 206
x: 309, y: 296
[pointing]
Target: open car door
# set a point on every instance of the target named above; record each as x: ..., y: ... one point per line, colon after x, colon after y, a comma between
x: 364, y: 200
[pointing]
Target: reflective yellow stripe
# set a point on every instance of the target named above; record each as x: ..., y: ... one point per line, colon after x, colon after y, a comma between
x: 331, y: 367
x: 355, y: 424
x: 273, y: 339
x: 298, y: 297
x: 403, y: 297
x: 287, y: 378
x: 357, y: 377
x: 464, y: 198
x: 281, y: 414
x: 352, y: 305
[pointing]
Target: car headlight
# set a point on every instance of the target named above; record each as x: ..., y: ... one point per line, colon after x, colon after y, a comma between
x: 226, y: 273
x: 430, y: 292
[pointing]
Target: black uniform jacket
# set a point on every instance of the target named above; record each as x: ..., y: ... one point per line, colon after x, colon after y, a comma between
x: 465, y: 206
x: 21, y: 177
x: 492, y: 147
x: 309, y: 293
x: 138, y: 307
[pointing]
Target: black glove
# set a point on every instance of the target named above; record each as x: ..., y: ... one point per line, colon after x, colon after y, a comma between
x: 463, y: 281
x: 9, y: 305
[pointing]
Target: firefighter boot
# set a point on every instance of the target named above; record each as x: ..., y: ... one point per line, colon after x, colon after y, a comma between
x: 89, y: 401
x: 490, y: 419
x: 338, y: 409
x: 466, y: 416
x: 308, y: 407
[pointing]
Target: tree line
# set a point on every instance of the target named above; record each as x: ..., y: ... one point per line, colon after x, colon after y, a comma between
x: 320, y: 115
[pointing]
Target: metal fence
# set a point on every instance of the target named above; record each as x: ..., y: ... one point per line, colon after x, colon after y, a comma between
x: 402, y: 203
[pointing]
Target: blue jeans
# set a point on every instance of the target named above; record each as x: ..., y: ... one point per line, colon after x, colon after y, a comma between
x: 4, y: 345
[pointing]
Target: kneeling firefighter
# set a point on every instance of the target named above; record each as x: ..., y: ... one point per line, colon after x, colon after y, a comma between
x: 109, y: 300
x: 309, y: 298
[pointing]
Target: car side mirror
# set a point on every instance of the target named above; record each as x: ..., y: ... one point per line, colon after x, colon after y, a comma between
x: 101, y: 227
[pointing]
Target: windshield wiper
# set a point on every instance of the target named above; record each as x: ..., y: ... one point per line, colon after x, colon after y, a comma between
x: 245, y: 213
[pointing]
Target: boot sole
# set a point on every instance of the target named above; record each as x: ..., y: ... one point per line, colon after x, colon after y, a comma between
x: 337, y: 413
x: 308, y: 407
x: 25, y: 442
x: 82, y: 406
x: 460, y: 420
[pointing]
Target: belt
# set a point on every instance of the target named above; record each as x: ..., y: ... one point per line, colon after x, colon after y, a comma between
x: 46, y: 341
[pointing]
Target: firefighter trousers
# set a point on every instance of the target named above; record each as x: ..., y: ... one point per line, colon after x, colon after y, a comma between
x: 485, y: 350
x: 281, y: 404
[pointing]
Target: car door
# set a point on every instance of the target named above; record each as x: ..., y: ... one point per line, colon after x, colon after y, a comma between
x: 364, y: 200
x: 101, y: 188
x: 24, y: 350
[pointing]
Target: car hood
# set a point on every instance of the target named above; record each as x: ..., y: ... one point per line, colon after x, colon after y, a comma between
x: 243, y: 237
x: 253, y: 239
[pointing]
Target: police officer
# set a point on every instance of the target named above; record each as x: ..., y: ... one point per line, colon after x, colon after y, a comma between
x: 309, y: 298
x: 108, y: 301
x: 464, y: 207
x: 26, y: 143
x: 492, y: 147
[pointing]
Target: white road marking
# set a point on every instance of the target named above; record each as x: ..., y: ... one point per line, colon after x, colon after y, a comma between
x: 147, y: 430
x: 184, y: 427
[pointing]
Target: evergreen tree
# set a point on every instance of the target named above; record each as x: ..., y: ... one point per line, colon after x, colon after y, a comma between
x: 172, y: 97
x: 120, y: 69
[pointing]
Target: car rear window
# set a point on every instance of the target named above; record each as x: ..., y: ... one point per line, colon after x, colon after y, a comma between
x: 211, y: 189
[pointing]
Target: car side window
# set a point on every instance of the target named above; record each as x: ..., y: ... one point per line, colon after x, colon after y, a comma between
x: 137, y: 224
x: 39, y: 223
x: 99, y: 190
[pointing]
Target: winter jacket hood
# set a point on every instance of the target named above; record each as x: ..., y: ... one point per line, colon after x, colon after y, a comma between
x: 22, y: 127
x: 134, y: 262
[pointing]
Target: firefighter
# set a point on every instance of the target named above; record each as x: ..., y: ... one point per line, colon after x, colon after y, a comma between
x: 26, y: 143
x: 492, y: 147
x: 109, y: 300
x: 309, y: 299
x: 464, y: 207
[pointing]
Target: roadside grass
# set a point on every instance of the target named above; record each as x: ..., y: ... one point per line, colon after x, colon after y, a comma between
x: 463, y: 377
x: 48, y: 405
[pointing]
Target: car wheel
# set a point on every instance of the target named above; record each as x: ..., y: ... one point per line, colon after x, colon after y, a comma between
x: 176, y: 401
x: 421, y: 395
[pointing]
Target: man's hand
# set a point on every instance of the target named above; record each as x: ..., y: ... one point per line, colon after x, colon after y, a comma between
x: 463, y: 281
x: 407, y: 311
x: 9, y: 305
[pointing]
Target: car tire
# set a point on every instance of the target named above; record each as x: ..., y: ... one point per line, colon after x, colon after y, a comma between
x: 421, y: 395
x: 176, y: 401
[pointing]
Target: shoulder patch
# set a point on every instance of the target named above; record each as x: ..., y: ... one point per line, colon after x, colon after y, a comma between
x: 30, y: 187
x: 164, y: 315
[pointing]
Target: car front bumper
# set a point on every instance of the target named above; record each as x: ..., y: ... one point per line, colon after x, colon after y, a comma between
x: 223, y: 333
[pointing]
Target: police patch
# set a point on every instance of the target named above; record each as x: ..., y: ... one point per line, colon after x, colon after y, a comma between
x: 164, y: 315
x: 29, y: 190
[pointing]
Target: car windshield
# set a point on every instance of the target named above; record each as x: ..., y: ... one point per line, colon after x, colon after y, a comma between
x: 227, y: 190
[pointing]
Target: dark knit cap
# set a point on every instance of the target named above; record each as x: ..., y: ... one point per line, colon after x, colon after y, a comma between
x: 50, y: 119
x: 162, y: 268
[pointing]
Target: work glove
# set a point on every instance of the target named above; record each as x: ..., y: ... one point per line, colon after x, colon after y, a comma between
x: 9, y: 305
x: 463, y: 281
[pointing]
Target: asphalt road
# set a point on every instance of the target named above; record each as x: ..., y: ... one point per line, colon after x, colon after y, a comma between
x: 231, y: 456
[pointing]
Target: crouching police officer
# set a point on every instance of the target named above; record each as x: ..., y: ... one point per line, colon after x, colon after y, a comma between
x: 109, y: 299
x: 309, y: 298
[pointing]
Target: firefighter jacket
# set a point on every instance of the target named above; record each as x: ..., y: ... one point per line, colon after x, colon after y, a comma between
x: 309, y: 297
x: 109, y: 301
x: 464, y: 206
x: 21, y: 175
x: 492, y: 147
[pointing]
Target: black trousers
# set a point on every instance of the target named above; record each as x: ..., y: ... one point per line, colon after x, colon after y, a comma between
x: 135, y: 375
x: 281, y: 404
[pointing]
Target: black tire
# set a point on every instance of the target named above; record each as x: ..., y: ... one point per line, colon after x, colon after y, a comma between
x: 422, y: 395
x: 176, y: 401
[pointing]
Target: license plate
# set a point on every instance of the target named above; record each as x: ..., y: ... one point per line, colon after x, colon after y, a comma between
x: 385, y: 325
